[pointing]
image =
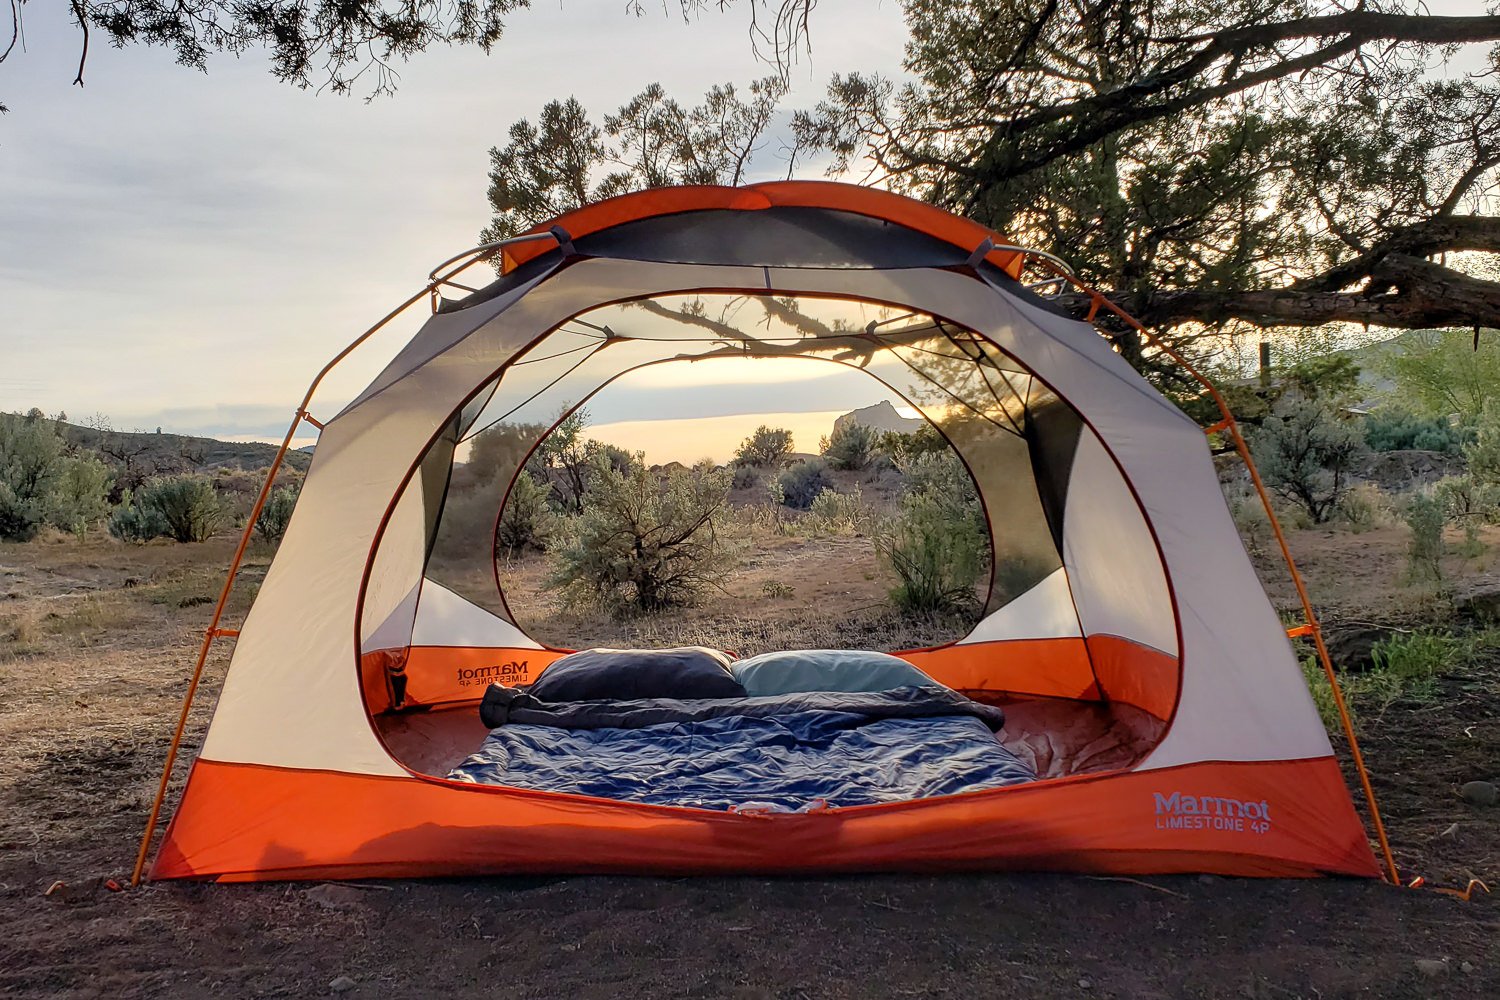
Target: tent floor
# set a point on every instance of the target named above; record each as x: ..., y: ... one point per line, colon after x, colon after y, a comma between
x: 1057, y: 737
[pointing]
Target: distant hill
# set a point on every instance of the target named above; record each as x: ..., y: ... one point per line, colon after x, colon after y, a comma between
x: 169, y: 453
x: 881, y: 417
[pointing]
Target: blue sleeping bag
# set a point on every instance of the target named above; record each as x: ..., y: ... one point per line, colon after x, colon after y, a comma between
x: 792, y: 753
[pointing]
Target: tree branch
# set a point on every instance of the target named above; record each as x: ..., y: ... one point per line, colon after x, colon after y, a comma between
x: 1403, y: 293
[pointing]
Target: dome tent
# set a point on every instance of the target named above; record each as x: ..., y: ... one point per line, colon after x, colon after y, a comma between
x: 1120, y: 584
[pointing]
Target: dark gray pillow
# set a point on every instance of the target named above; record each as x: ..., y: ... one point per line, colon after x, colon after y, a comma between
x: 627, y: 674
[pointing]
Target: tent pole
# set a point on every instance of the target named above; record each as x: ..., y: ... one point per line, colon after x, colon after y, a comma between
x: 213, y: 631
x: 1099, y: 300
x: 461, y: 262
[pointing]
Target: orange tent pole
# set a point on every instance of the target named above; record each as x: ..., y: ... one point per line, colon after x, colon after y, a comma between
x: 213, y: 631
x: 1229, y: 424
x: 461, y: 262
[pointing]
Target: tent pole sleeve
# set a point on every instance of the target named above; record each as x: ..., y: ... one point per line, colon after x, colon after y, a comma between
x: 1097, y: 301
x: 213, y: 632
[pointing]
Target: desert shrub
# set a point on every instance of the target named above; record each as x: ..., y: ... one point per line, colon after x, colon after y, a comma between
x: 276, y: 514
x: 902, y: 448
x: 1398, y: 430
x: 1306, y: 453
x: 31, y: 456
x: 851, y: 446
x: 1482, y: 450
x: 643, y: 543
x: 19, y: 519
x: 1330, y: 376
x: 1425, y: 516
x: 838, y: 513
x: 187, y: 504
x: 77, y: 500
x: 745, y: 476
x: 133, y: 521
x: 525, y: 521
x: 938, y: 544
x: 767, y: 446
x: 1250, y: 519
x: 1403, y: 666
x: 776, y: 588
x: 1365, y: 506
x: 935, y: 553
x: 1468, y: 502
x: 801, y: 482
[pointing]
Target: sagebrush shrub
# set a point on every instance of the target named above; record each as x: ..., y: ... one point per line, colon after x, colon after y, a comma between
x: 276, y: 514
x: 643, y: 544
x: 1397, y: 430
x: 745, y: 476
x: 187, y: 504
x: 767, y: 446
x: 1307, y: 454
x: 31, y: 456
x: 78, y: 500
x: 1425, y: 516
x: 902, y: 448
x: 935, y: 553
x: 938, y: 545
x: 133, y: 521
x: 839, y: 513
x: 801, y: 482
x: 526, y: 521
x: 851, y: 446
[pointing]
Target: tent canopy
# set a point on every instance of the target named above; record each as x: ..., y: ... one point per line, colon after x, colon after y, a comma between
x: 1119, y: 580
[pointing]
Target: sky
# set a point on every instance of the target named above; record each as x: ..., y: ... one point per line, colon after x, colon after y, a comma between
x: 186, y: 250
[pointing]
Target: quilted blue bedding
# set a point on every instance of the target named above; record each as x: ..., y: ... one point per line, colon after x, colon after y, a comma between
x: 791, y: 753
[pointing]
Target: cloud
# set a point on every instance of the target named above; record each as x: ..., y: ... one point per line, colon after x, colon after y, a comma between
x: 182, y: 245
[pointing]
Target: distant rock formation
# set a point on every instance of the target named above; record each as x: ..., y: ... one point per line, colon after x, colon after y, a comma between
x: 881, y: 417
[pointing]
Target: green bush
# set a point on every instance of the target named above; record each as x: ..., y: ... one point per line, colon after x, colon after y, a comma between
x: 19, y: 519
x: 1322, y: 693
x: 767, y: 446
x: 276, y: 514
x: 1397, y: 430
x: 938, y: 545
x: 1364, y: 507
x: 851, y: 446
x: 133, y: 521
x: 78, y: 498
x: 31, y: 458
x: 643, y: 544
x: 902, y: 448
x: 745, y: 476
x: 1425, y: 516
x: 936, y: 554
x: 801, y: 482
x: 187, y: 504
x: 1306, y: 453
x: 526, y: 520
x: 839, y: 513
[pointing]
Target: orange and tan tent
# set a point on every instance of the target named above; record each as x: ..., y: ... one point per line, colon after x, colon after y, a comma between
x: 1123, y: 612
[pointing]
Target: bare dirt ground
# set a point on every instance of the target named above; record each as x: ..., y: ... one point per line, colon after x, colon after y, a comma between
x: 95, y: 643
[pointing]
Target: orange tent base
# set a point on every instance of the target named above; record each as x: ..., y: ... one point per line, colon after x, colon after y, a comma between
x: 248, y: 823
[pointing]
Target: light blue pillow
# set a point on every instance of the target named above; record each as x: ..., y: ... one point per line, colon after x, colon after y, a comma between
x: 796, y: 670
